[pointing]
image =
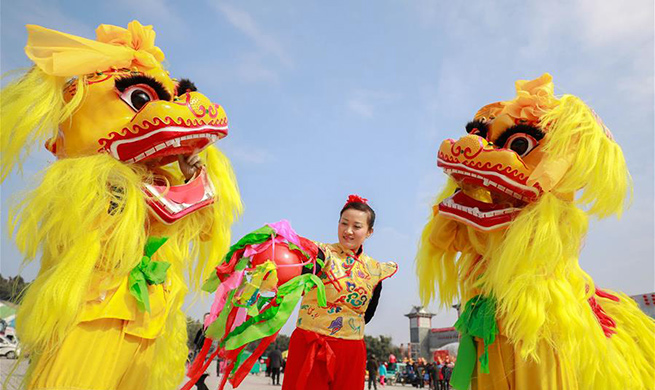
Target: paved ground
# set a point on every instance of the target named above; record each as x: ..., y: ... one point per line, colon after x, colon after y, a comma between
x: 13, y: 382
x: 259, y: 382
x: 252, y: 382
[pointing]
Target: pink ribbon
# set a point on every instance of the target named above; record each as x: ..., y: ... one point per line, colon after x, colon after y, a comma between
x: 283, y: 228
x: 221, y: 295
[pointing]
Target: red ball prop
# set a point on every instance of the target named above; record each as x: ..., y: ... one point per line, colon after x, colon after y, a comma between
x: 282, y: 256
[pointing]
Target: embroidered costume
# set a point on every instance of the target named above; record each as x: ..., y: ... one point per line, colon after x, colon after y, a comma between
x: 122, y: 214
x: 504, y: 240
x: 327, y: 349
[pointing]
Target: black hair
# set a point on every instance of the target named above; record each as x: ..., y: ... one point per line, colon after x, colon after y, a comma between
x: 478, y: 125
x: 184, y: 86
x: 124, y: 82
x: 361, y: 207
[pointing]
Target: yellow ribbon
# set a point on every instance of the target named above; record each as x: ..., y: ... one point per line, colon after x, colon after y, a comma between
x: 65, y: 55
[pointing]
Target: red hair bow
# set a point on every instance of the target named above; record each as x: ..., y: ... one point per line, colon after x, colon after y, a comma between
x: 356, y: 198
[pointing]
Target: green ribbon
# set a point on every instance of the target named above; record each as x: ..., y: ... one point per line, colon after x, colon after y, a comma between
x: 477, y: 320
x: 320, y: 262
x: 256, y: 237
x: 270, y: 320
x: 147, y: 272
x: 211, y: 284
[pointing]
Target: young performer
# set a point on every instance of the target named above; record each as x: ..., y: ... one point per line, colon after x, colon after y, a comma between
x: 327, y: 349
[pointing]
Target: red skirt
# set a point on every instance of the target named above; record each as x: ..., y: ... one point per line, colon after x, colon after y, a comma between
x: 318, y: 362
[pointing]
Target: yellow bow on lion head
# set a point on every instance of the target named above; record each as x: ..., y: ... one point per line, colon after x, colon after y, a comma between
x: 66, y: 55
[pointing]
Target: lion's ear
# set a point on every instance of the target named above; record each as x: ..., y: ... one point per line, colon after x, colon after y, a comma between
x: 32, y: 109
x: 596, y: 166
x: 550, y: 171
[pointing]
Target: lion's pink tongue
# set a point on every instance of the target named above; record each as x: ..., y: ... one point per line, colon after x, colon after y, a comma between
x: 173, y: 203
x: 191, y: 192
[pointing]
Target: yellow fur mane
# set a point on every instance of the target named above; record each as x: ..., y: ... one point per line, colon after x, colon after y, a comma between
x: 67, y: 219
x: 531, y: 268
x: 89, y: 214
x: 32, y: 108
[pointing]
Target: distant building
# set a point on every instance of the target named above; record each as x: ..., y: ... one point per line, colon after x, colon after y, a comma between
x: 442, y: 336
x: 420, y: 324
x: 646, y: 302
x: 424, y: 339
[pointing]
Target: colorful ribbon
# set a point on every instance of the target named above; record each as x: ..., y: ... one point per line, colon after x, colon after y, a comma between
x: 222, y: 292
x: 248, y: 305
x: 257, y: 237
x: 477, y: 320
x: 272, y: 318
x: 147, y: 272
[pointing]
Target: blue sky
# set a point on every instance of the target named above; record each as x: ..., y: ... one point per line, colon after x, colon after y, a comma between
x: 331, y: 98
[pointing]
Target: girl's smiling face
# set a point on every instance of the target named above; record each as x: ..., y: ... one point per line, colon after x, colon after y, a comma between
x: 353, y: 229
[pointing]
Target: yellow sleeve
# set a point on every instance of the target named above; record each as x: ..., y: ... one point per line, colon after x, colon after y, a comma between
x: 387, y: 269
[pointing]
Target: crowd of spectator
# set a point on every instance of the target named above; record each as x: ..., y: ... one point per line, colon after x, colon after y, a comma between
x: 433, y: 375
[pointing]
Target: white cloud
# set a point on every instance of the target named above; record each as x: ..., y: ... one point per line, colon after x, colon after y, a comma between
x: 158, y: 12
x: 42, y: 13
x: 636, y: 83
x: 613, y: 27
x: 250, y: 154
x: 615, y: 22
x: 451, y: 99
x: 365, y: 102
x: 248, y: 68
x: 253, y: 69
x: 361, y: 107
x: 47, y: 14
x: 245, y: 23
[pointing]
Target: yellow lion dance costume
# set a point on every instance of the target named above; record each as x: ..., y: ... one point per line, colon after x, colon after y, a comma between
x: 504, y: 240
x: 135, y: 167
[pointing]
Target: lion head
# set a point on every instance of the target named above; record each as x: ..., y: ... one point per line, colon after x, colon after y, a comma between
x: 113, y: 96
x: 130, y: 108
x: 522, y: 183
x: 516, y: 151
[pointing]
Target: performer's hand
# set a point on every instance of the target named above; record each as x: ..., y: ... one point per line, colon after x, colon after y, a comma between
x: 189, y: 165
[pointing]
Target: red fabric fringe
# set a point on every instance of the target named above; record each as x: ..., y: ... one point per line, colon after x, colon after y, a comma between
x: 199, y: 365
x: 606, y: 322
x: 247, y: 364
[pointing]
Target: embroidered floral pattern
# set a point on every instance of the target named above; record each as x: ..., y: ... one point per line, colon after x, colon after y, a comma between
x: 349, y: 283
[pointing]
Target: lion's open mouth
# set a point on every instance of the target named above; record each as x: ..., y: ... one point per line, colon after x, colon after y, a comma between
x: 161, y: 146
x: 170, y: 196
x: 486, y: 200
x: 482, y: 215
